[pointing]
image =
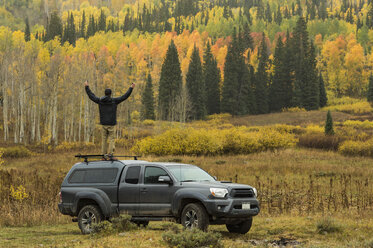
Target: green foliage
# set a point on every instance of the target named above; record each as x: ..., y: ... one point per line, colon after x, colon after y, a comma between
x: 54, y: 27
x: 192, y: 238
x: 16, y: 152
x: 118, y: 224
x: 147, y: 100
x: 323, y: 97
x: 211, y: 77
x: 170, y: 83
x: 327, y: 225
x: 196, y: 87
x: 329, y: 130
x: 261, y: 80
x: 27, y: 30
x: 370, y: 90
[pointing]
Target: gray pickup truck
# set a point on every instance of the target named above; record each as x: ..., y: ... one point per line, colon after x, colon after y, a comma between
x: 148, y: 191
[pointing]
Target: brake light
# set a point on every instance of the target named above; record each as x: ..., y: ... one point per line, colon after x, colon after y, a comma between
x: 60, y: 197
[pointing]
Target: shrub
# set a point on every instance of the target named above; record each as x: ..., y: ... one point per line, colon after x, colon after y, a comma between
x: 314, y: 129
x: 148, y: 122
x: 327, y: 225
x: 320, y: 141
x: 16, y: 152
x: 192, y: 238
x: 353, y: 108
x: 357, y: 148
x: 214, y: 141
x: 294, y: 109
x: 118, y: 224
x: 359, y: 124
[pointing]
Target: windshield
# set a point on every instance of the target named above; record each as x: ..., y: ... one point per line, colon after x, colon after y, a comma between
x: 189, y: 173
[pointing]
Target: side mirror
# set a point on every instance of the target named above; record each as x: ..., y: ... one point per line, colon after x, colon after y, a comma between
x: 215, y: 178
x: 164, y: 179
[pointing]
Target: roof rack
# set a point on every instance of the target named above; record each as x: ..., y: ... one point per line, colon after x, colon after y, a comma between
x: 111, y: 157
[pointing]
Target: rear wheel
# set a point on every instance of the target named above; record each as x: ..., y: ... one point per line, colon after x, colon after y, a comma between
x: 88, y: 216
x: 194, y: 216
x: 242, y: 227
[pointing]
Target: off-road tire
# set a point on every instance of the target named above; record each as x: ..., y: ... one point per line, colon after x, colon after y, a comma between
x: 143, y: 223
x: 194, y: 215
x: 242, y: 227
x: 88, y: 215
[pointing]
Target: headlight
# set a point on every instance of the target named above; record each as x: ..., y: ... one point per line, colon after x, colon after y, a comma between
x: 218, y: 192
x: 255, y: 192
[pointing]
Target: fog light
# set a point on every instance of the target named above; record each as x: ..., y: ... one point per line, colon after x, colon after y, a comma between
x: 219, y: 207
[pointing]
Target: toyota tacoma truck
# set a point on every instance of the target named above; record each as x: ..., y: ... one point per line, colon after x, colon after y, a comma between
x: 93, y: 191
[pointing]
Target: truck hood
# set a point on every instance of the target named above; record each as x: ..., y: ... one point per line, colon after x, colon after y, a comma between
x: 217, y: 184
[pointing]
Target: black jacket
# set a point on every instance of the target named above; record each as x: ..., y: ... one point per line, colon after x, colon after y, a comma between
x: 108, y: 106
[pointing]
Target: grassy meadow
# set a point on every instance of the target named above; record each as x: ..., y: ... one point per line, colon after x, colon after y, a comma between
x: 309, y: 197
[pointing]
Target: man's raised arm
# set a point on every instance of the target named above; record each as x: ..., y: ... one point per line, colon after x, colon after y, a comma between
x: 126, y: 95
x: 90, y: 93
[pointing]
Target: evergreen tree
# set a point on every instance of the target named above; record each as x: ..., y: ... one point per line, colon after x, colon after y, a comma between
x: 311, y: 91
x: 211, y: 76
x: 54, y: 27
x: 147, y: 100
x: 170, y: 83
x: 261, y: 80
x: 27, y: 30
x: 229, y: 103
x: 329, y: 130
x: 91, y: 30
x: 268, y: 13
x: 370, y: 90
x: 278, y: 18
x: 71, y: 32
x: 102, y: 21
x: 82, y: 26
x: 323, y: 97
x: 195, y: 86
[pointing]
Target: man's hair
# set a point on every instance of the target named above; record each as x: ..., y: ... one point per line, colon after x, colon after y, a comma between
x: 107, y: 92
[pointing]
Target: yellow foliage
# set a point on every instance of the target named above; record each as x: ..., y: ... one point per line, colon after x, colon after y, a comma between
x: 360, y: 124
x: 357, y: 148
x: 294, y: 109
x: 1, y: 156
x: 355, y: 108
x: 148, y: 122
x: 314, y: 129
x: 214, y: 141
x: 18, y: 194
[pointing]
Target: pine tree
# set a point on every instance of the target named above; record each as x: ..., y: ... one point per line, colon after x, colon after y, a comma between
x: 329, y: 130
x: 370, y: 90
x: 82, y: 26
x: 229, y: 103
x: 323, y: 97
x: 261, y: 80
x: 195, y: 86
x: 311, y: 89
x: 147, y: 100
x: 211, y: 77
x: 102, y: 21
x: 27, y: 30
x: 54, y: 27
x: 71, y: 32
x: 276, y: 91
x: 170, y: 82
x: 91, y: 30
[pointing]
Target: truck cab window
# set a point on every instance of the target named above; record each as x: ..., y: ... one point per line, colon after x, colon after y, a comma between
x: 133, y: 174
x: 152, y: 174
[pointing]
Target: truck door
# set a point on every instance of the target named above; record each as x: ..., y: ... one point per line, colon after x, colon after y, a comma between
x: 155, y: 196
x: 129, y: 190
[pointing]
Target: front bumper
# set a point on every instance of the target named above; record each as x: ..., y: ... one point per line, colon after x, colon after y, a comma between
x: 232, y: 207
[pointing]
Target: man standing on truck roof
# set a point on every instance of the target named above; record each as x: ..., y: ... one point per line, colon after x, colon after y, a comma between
x: 108, y: 115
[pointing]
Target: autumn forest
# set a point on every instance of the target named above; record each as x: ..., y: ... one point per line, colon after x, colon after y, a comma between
x: 188, y: 58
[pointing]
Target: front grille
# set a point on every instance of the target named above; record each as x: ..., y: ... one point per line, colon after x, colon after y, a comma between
x: 242, y: 193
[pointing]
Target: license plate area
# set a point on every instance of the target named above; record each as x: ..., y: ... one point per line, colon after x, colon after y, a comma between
x: 245, y: 205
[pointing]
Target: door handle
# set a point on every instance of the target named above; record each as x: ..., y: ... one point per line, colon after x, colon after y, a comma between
x: 144, y: 190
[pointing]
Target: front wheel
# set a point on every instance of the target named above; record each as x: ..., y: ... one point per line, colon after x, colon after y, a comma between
x: 194, y: 216
x: 88, y: 216
x: 242, y: 227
